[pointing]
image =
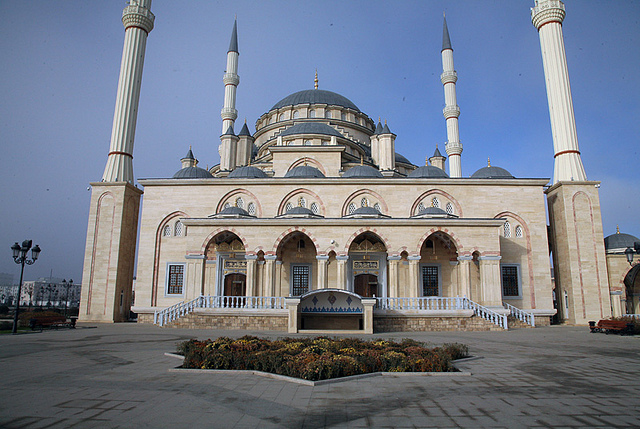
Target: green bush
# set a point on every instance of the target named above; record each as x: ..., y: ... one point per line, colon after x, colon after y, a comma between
x: 318, y: 358
x: 6, y: 325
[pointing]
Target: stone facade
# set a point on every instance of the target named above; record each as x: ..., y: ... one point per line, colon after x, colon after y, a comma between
x: 417, y: 323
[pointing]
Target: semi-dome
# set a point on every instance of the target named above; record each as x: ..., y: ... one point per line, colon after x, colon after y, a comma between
x: 620, y: 241
x: 299, y: 212
x: 311, y: 128
x: 492, y: 173
x: 366, y: 212
x: 402, y: 159
x: 428, y: 171
x: 192, y: 173
x: 315, y: 96
x: 434, y: 212
x: 362, y: 171
x: 304, y: 171
x: 232, y: 212
x: 247, y: 172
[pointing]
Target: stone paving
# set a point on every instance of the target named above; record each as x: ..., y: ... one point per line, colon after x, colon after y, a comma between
x: 116, y: 376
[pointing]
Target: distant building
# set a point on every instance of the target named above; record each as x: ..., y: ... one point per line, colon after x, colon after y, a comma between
x: 50, y: 292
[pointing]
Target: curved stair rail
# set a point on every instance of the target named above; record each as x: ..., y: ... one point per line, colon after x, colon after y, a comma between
x: 176, y: 311
x: 520, y: 314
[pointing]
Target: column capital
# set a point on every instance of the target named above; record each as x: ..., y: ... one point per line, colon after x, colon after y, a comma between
x: 394, y: 258
x: 414, y: 258
x: 490, y: 258
x: 251, y: 257
x: 270, y: 257
x: 322, y: 257
x: 465, y: 258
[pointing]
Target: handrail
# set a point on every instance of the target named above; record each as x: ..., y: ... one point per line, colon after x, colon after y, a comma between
x: 520, y: 314
x: 442, y: 303
x: 174, y: 312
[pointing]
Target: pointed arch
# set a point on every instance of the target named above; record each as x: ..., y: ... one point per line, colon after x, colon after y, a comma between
x: 361, y: 231
x: 345, y: 206
x: 296, y: 192
x: 433, y: 193
x: 454, y: 239
x: 167, y: 220
x: 240, y: 191
x: 205, y: 243
x: 281, y: 239
x: 308, y: 161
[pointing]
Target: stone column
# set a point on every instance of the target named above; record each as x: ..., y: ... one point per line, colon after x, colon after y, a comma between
x: 414, y: 275
x: 490, y: 281
x: 341, y: 271
x: 464, y: 276
x: 269, y: 275
x: 392, y: 290
x: 292, y: 308
x: 251, y: 274
x: 367, y: 316
x: 322, y: 271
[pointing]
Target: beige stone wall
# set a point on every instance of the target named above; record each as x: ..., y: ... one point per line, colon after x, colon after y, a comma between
x: 416, y: 324
x: 578, y: 252
x: 232, y: 322
x: 621, y: 302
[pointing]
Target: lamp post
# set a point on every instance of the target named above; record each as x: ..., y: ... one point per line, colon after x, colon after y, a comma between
x: 20, y: 257
x: 630, y: 251
x: 67, y: 285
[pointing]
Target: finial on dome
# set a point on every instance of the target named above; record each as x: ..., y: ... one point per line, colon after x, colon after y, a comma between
x: 426, y: 160
x: 305, y: 161
x: 245, y: 120
x: 315, y: 81
x: 361, y: 159
x: 617, y: 229
x: 488, y: 162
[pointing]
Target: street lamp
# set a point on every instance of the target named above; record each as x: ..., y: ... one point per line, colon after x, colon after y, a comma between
x: 20, y: 257
x: 630, y: 251
x: 68, y: 286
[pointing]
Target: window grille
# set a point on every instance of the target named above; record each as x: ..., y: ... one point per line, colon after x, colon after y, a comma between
x: 178, y: 229
x: 302, y: 202
x: 364, y: 202
x: 510, y: 281
x: 314, y: 208
x: 449, y: 208
x: 300, y: 280
x: 435, y: 202
x: 507, y: 229
x: 420, y: 207
x: 166, y: 232
x: 430, y: 281
x: 352, y: 208
x: 227, y: 205
x: 251, y: 208
x: 288, y: 207
x: 240, y: 202
x: 377, y: 207
x: 176, y: 277
x: 518, y: 231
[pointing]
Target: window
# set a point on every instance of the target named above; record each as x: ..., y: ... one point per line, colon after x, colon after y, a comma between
x: 507, y: 229
x: 312, y: 113
x: 166, y: 232
x: 300, y: 279
x: 251, y: 208
x: 430, y: 281
x: 352, y: 208
x: 178, y: 229
x: 288, y: 207
x: 510, y: 281
x: 364, y: 202
x: 296, y: 114
x: 175, y: 279
x: 240, y: 202
x: 308, y: 143
x: 227, y: 205
x: 302, y: 202
x: 281, y: 117
x: 420, y: 207
x: 449, y: 208
x: 377, y: 207
x: 518, y: 231
x: 343, y: 116
x: 327, y: 114
x: 314, y: 208
x: 435, y: 202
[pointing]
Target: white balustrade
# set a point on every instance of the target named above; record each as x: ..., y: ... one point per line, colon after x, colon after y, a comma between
x: 520, y: 314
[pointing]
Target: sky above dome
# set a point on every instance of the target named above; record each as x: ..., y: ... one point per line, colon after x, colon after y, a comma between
x: 61, y: 62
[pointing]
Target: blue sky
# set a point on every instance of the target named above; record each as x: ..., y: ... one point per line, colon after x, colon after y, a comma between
x: 60, y: 65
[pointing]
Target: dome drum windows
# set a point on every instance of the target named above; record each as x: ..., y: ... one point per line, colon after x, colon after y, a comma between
x: 440, y: 201
x: 240, y: 201
x: 301, y: 203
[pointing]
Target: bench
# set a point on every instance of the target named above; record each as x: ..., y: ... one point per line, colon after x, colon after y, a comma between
x: 608, y: 326
x: 51, y: 322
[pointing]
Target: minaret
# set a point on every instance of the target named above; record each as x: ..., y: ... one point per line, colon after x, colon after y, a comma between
x: 547, y: 17
x: 138, y: 22
x: 231, y: 81
x: 451, y: 110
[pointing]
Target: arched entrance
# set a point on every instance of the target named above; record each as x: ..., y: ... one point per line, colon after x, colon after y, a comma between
x: 225, y: 266
x: 367, y: 269
x: 438, y: 260
x: 632, y: 289
x: 298, y: 265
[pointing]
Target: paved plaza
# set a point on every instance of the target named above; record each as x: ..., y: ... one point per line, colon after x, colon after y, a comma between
x: 109, y: 376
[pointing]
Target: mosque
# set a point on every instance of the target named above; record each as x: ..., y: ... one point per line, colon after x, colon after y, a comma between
x: 315, y: 223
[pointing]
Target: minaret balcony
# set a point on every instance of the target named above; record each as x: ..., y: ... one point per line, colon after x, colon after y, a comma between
x: 138, y: 16
x: 451, y: 112
x: 547, y: 11
x: 229, y: 113
x: 231, y: 79
x: 453, y: 148
x: 449, y: 77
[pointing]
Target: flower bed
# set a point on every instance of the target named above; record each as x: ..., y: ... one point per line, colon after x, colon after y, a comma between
x: 319, y: 358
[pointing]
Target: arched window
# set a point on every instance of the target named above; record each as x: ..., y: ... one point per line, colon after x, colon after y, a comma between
x: 166, y: 232
x: 314, y: 208
x: 364, y: 202
x: 377, y: 207
x: 435, y: 202
x: 240, y: 202
x: 251, y: 208
x: 227, y: 205
x: 343, y: 116
x: 302, y: 202
x: 308, y: 143
x: 178, y: 229
x: 518, y: 231
x: 296, y: 114
x: 288, y: 207
x: 312, y: 113
x: 327, y: 114
x: 272, y: 119
x: 352, y: 208
x: 449, y: 208
x: 507, y: 229
x: 420, y: 207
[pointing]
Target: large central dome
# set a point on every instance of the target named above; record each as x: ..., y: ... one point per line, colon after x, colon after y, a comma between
x: 315, y: 96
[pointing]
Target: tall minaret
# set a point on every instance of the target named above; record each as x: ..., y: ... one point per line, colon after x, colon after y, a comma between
x: 138, y: 22
x: 547, y: 17
x: 231, y: 81
x: 451, y: 110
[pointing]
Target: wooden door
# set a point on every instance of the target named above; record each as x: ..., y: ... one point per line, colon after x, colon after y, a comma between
x: 366, y: 285
x: 235, y: 285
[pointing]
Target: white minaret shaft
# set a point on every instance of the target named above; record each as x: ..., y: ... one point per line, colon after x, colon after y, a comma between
x: 138, y: 22
x: 231, y: 81
x: 451, y: 110
x: 547, y: 17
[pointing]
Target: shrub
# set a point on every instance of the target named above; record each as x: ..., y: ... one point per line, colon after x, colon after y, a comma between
x: 4, y: 309
x: 318, y: 358
x: 6, y: 325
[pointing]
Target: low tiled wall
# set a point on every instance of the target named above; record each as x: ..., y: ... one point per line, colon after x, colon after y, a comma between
x: 145, y: 318
x: 232, y: 322
x: 543, y: 320
x: 416, y: 323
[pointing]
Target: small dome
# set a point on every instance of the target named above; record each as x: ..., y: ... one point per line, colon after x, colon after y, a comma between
x: 402, y: 159
x: 428, y: 171
x: 430, y: 212
x: 620, y: 241
x: 247, y: 172
x: 492, y: 173
x: 366, y: 212
x: 192, y: 173
x: 304, y: 171
x: 299, y: 212
x: 362, y: 171
x: 315, y: 96
x: 311, y: 128
x: 232, y: 212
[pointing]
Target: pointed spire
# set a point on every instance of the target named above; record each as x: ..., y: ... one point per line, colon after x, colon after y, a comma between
x: 229, y: 131
x: 488, y: 162
x: 437, y: 152
x: 617, y: 229
x: 315, y: 81
x: 233, y: 44
x: 385, y: 129
x: 446, y: 41
x: 245, y: 130
x: 378, y: 128
x: 189, y: 154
